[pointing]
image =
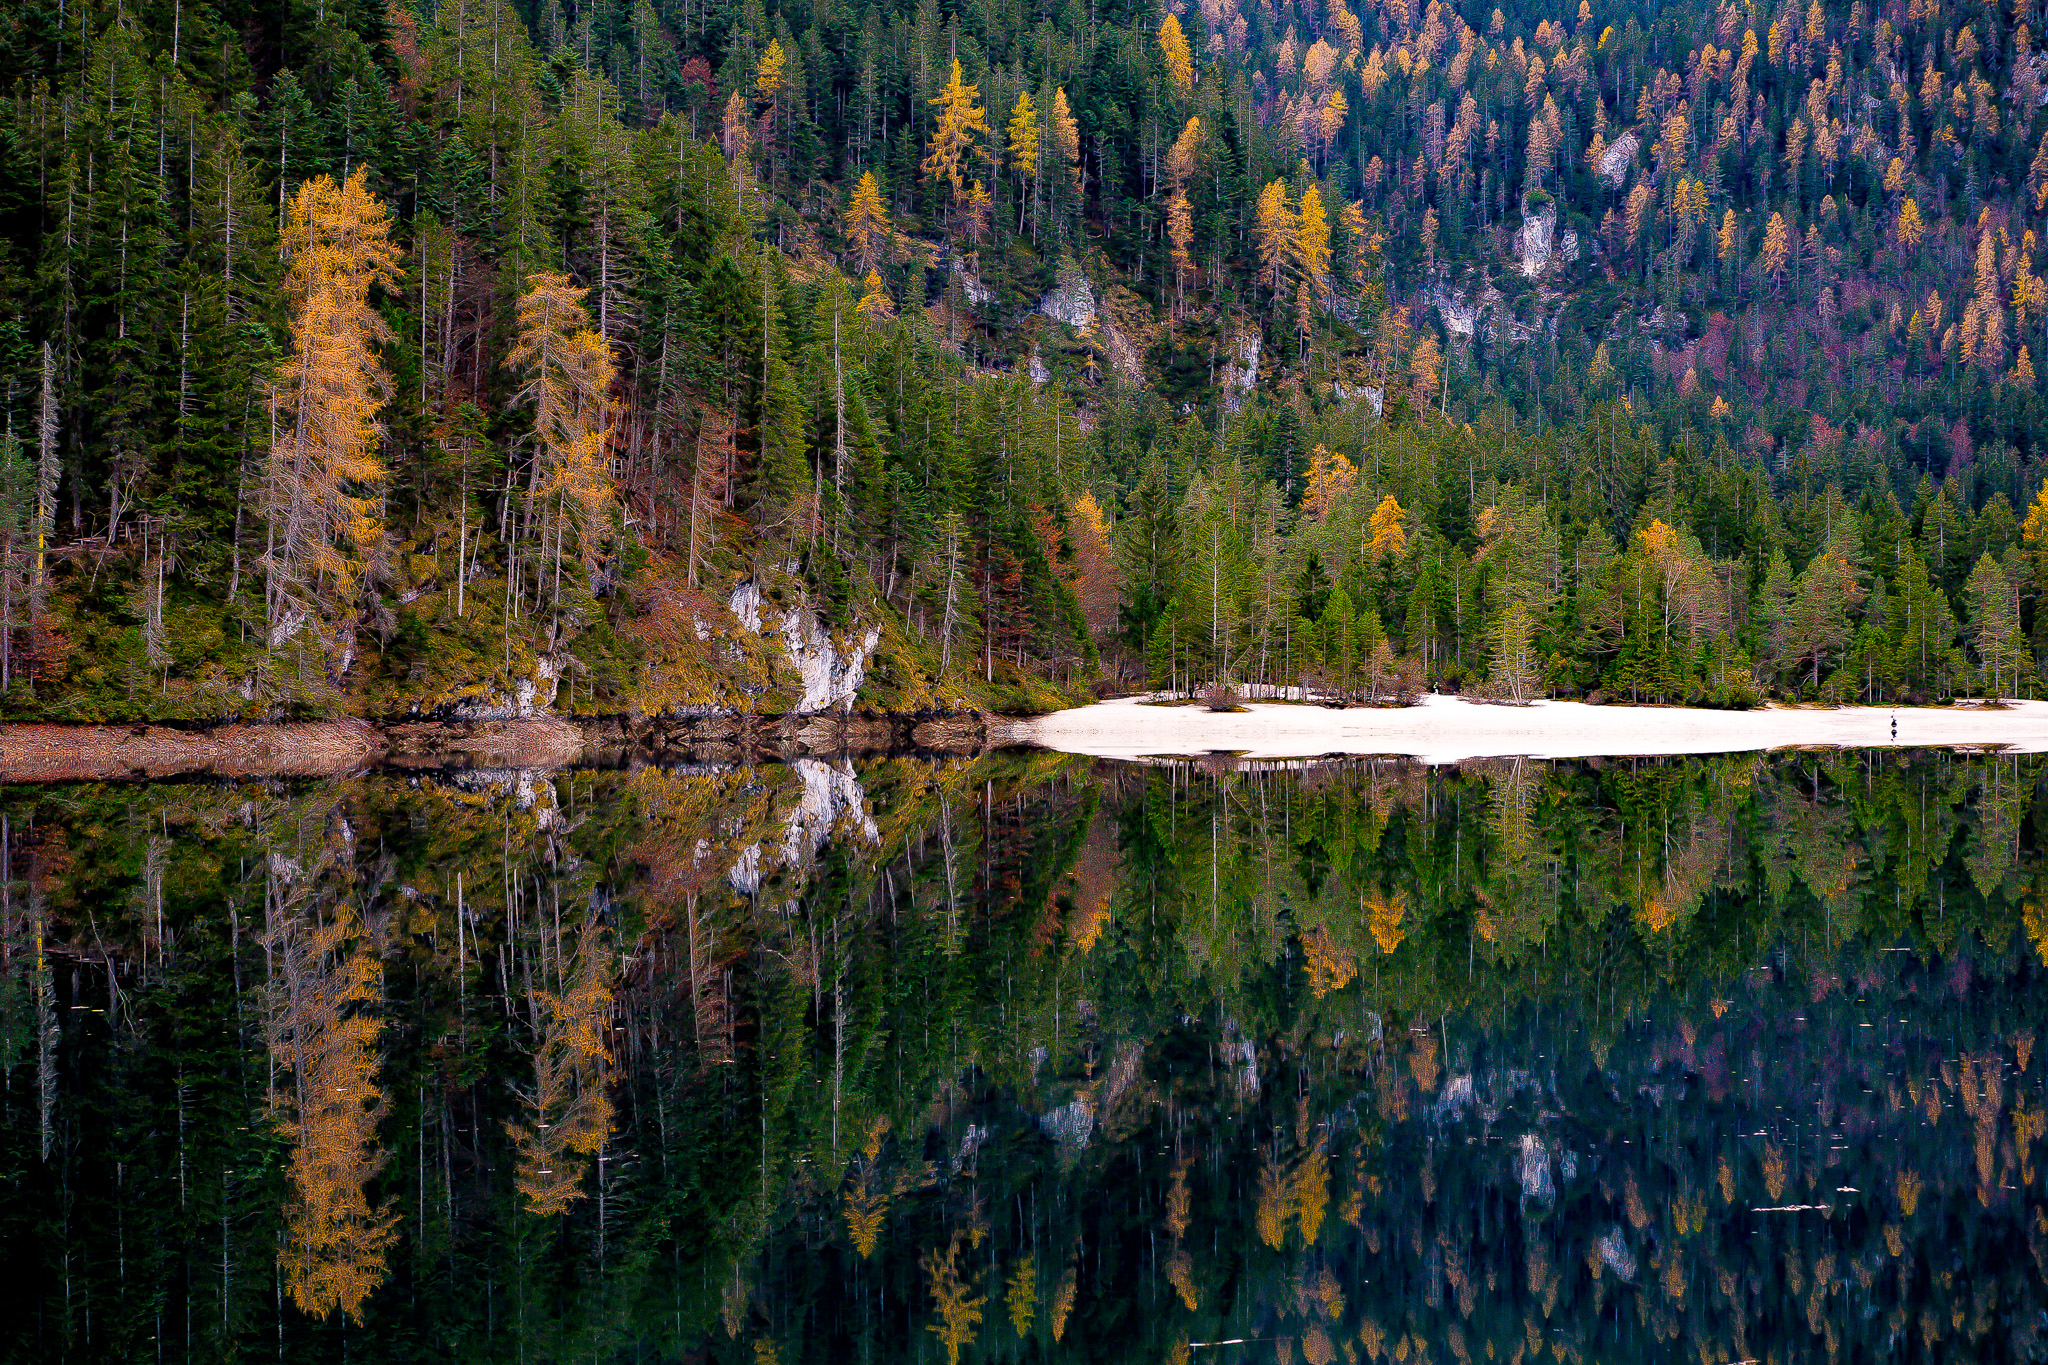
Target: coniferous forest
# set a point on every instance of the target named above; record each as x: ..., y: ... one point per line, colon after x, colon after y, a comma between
x: 370, y: 359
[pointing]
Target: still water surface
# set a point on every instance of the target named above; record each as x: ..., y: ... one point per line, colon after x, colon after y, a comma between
x: 1032, y: 1058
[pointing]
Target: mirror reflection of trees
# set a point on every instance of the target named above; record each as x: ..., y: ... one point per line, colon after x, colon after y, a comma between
x: 1024, y: 1057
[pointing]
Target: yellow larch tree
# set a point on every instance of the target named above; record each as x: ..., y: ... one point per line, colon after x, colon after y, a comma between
x: 771, y: 87
x: 1384, y: 915
x: 958, y: 140
x: 323, y: 473
x: 771, y: 75
x: 1308, y: 1193
x: 1777, y: 250
x: 867, y: 222
x: 1387, y: 529
x: 1066, y: 139
x: 1331, y: 478
x: 875, y: 304
x: 1330, y: 120
x: 1173, y: 47
x: 1312, y: 235
x: 1180, y: 226
x: 568, y: 370
x: 1277, y: 233
x: 1362, y: 244
x: 1021, y: 134
x: 1425, y: 369
x: 1328, y: 964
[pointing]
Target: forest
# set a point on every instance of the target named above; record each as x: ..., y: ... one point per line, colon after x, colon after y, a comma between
x: 1024, y: 1058
x: 384, y: 358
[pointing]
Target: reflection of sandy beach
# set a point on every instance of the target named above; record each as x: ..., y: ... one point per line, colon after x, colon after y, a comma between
x: 1446, y: 729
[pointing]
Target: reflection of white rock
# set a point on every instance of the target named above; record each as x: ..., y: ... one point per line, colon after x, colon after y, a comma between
x: 1616, y: 1254
x: 829, y: 794
x: 1459, y: 1094
x: 1616, y: 159
x: 1534, y: 239
x: 1532, y: 1169
x: 1241, y: 1055
x: 970, y: 1145
x: 1071, y: 1125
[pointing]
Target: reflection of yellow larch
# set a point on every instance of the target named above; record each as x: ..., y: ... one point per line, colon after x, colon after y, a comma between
x: 1383, y: 916
x: 953, y: 1297
x: 1774, y: 1171
x: 1270, y: 1214
x: 1063, y: 1301
x: 1022, y: 1298
x: 1329, y: 965
x: 1309, y: 1193
x: 1180, y: 1273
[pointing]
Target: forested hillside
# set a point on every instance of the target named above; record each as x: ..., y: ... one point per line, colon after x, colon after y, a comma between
x: 611, y: 357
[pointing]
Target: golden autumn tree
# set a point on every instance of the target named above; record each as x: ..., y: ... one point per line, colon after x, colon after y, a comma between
x: 568, y: 371
x: 1276, y: 233
x: 867, y: 222
x: 1386, y: 529
x: 1308, y: 1192
x: 1425, y: 369
x: 1173, y: 50
x: 1312, y: 236
x: 322, y: 1035
x: 323, y: 475
x: 1776, y: 251
x: 958, y: 142
x: 1331, y: 478
x: 568, y: 1111
x: 1022, y: 143
x: 1911, y: 228
x: 1329, y: 965
x: 1066, y: 139
x: 875, y: 304
x: 1180, y: 227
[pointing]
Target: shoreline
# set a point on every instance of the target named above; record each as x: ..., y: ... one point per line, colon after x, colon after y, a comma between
x: 39, y: 753
x: 1451, y: 729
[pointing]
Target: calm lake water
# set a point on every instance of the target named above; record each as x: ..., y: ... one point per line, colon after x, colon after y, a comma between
x: 1032, y: 1058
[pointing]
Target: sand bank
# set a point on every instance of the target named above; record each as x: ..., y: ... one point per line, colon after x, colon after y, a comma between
x: 1447, y: 729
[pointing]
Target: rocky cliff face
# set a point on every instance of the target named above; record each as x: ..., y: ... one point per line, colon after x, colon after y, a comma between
x: 830, y: 671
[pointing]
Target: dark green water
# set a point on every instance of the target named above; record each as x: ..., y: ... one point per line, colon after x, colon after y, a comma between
x: 1032, y: 1059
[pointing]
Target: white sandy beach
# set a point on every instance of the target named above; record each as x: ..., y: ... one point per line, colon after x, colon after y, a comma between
x: 1447, y: 729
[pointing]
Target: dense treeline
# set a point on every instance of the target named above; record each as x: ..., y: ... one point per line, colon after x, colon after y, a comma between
x: 371, y: 357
